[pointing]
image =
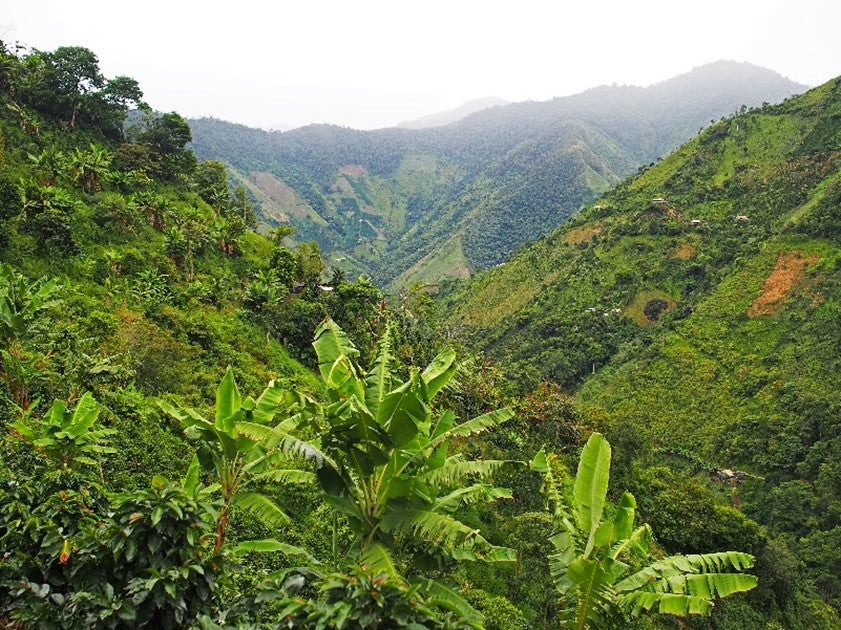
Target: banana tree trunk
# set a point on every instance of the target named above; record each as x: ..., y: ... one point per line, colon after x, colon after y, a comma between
x: 222, y: 527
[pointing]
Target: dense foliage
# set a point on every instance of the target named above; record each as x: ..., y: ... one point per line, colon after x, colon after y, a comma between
x: 374, y: 481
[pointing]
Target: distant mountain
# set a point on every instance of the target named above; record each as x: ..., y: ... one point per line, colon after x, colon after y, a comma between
x: 423, y: 204
x: 440, y: 119
x: 696, y: 307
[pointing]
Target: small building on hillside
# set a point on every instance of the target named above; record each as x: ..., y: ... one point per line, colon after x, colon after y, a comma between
x: 659, y: 201
x: 742, y: 218
x: 695, y: 222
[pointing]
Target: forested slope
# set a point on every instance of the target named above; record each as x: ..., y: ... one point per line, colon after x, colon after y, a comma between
x: 373, y: 477
x: 697, y: 306
x: 424, y: 204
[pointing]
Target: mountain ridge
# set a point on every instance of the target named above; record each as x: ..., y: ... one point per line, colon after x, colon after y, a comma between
x: 448, y: 116
x: 479, y: 159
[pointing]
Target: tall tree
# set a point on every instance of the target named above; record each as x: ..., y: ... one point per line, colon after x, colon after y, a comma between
x: 72, y: 73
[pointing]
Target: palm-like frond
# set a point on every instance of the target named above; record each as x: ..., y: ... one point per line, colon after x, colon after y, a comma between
x: 472, y: 427
x: 286, y: 475
x: 379, y: 379
x: 480, y: 492
x: 455, y: 470
x: 440, y: 529
x: 439, y: 371
x: 263, y: 508
x: 443, y: 595
x: 594, y: 598
x: 335, y: 353
x: 377, y: 559
x: 684, y: 585
x: 270, y: 545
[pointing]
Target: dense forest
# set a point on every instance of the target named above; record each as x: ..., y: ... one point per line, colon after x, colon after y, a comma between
x: 406, y: 205
x: 204, y: 426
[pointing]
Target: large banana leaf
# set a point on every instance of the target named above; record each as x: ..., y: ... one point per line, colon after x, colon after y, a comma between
x: 403, y: 413
x: 456, y: 470
x: 377, y: 559
x: 472, y: 427
x: 380, y: 377
x: 479, y: 492
x: 228, y: 402
x: 445, y: 531
x: 439, y: 372
x: 590, y: 488
x: 335, y: 353
x: 85, y: 415
x: 263, y: 508
x: 592, y: 582
x: 270, y: 545
x: 443, y: 595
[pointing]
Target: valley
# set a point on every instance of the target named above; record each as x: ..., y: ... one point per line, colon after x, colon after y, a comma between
x: 407, y: 205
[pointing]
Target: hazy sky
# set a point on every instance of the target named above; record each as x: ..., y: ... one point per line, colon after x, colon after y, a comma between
x: 372, y: 63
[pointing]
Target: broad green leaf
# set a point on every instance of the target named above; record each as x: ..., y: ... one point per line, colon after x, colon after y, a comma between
x: 263, y: 508
x: 623, y: 523
x: 287, y: 475
x: 268, y: 403
x: 270, y: 545
x: 539, y: 462
x: 439, y: 372
x: 455, y: 470
x: 228, y: 402
x: 377, y: 559
x: 191, y: 479
x: 86, y: 413
x: 476, y: 425
x: 335, y: 354
x: 380, y: 377
x: 590, y: 488
x: 480, y: 492
x: 402, y: 412
x: 444, y: 596
x: 444, y: 424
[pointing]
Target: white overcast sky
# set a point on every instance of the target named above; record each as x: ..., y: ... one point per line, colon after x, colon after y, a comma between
x: 372, y: 63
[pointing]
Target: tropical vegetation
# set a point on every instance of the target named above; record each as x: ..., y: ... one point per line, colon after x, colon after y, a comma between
x: 205, y: 425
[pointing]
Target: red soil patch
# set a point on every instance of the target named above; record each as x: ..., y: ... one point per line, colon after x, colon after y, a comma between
x: 789, y: 269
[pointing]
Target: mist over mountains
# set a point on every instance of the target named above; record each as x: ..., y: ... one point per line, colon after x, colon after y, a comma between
x: 423, y: 204
x: 440, y: 119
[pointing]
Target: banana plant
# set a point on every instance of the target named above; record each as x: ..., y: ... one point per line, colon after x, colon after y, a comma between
x: 383, y: 460
x: 68, y: 438
x: 21, y: 301
x: 226, y: 447
x: 21, y: 305
x: 596, y: 549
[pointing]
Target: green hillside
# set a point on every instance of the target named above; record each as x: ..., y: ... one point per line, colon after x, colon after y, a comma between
x: 697, y: 305
x: 423, y: 204
x: 202, y: 426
